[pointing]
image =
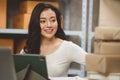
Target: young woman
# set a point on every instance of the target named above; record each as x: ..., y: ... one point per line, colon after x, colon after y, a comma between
x: 47, y: 38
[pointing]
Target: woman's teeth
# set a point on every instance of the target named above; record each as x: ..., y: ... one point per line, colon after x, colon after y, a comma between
x: 49, y: 30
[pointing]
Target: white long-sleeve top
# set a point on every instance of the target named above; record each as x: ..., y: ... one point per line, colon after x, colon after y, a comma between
x: 59, y: 62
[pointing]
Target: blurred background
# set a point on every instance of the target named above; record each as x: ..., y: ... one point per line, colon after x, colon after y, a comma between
x: 88, y: 23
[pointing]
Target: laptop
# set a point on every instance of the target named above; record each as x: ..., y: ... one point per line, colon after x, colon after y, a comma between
x: 30, y: 67
x: 7, y: 69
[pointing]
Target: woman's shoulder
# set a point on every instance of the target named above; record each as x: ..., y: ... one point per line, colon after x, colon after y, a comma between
x: 70, y: 43
x: 67, y: 42
x: 74, y: 47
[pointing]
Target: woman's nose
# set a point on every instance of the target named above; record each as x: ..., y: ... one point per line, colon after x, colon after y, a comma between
x: 48, y: 23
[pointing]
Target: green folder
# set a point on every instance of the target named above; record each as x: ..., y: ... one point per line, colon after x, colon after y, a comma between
x: 30, y: 67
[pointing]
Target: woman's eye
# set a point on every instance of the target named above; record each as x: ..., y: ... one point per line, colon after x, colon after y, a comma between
x: 42, y: 21
x: 53, y: 20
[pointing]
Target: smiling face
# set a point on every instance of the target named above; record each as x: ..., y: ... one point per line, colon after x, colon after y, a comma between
x: 48, y: 24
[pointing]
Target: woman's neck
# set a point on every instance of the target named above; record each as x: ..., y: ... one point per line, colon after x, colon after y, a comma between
x: 49, y: 46
x: 47, y: 41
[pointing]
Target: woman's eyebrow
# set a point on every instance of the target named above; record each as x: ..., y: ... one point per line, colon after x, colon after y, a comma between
x: 42, y: 18
x: 52, y: 17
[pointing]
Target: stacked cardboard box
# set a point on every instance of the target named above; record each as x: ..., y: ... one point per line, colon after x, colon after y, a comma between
x: 107, y: 40
x: 21, y: 20
x: 3, y: 13
x: 109, y: 13
x: 106, y: 57
x: 7, y: 43
x: 104, y: 64
x: 28, y: 6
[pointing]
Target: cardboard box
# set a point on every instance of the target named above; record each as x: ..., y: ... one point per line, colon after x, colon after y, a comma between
x: 3, y: 13
x: 103, y: 63
x: 21, y: 21
x: 7, y: 43
x: 28, y: 6
x: 109, y: 13
x: 107, y: 33
x: 107, y: 48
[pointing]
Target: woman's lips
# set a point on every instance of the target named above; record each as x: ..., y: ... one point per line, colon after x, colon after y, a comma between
x: 48, y: 30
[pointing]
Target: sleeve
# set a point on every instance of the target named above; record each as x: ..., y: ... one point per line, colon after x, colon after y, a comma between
x: 77, y: 54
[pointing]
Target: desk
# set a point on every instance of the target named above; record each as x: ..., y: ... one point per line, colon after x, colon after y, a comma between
x: 67, y: 78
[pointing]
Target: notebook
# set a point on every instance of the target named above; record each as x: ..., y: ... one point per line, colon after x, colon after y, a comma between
x: 7, y: 69
x: 30, y: 67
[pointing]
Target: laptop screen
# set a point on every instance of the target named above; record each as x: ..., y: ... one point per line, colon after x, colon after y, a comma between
x: 7, y: 69
x: 30, y: 67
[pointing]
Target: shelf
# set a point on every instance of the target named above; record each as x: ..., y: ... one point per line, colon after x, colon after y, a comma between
x: 22, y: 33
x: 13, y: 33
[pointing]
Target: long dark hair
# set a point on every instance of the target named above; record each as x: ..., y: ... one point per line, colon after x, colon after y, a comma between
x: 34, y: 32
